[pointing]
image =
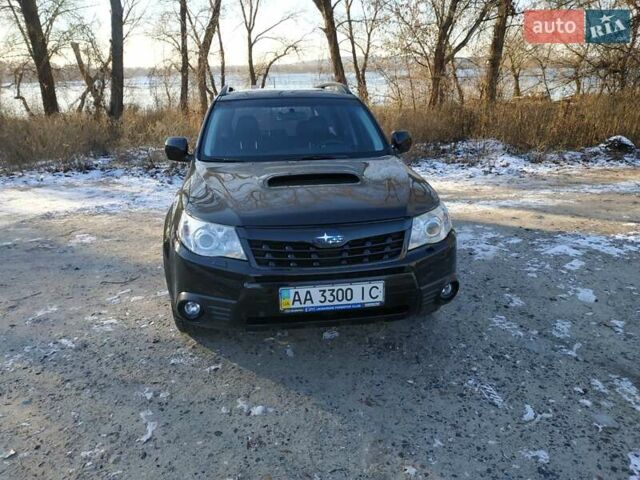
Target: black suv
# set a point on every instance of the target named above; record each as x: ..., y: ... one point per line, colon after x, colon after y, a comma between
x: 296, y: 210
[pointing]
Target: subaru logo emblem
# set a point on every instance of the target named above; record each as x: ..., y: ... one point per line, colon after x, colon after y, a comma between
x: 329, y: 240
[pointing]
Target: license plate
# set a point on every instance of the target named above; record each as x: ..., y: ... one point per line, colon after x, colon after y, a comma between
x: 320, y: 298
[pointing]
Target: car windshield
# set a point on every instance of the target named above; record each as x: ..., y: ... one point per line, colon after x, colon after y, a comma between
x: 290, y: 128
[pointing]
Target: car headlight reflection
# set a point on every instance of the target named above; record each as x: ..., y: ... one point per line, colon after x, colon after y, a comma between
x: 209, y: 239
x: 430, y: 227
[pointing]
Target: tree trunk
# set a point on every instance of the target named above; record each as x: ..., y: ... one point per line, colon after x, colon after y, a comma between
x: 456, y: 82
x: 223, y: 72
x: 40, y: 55
x: 116, y: 104
x: 184, y: 53
x: 515, y: 73
x: 439, y: 64
x: 326, y: 9
x: 437, y: 74
x: 359, y: 73
x: 203, y: 55
x: 490, y: 89
x: 89, y: 81
x: 253, y: 79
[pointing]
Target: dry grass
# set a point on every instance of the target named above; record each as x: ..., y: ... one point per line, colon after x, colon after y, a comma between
x: 65, y: 138
x: 525, y: 125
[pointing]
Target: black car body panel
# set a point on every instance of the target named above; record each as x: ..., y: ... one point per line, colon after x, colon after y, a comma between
x: 240, y: 193
x: 285, y: 205
x: 234, y: 293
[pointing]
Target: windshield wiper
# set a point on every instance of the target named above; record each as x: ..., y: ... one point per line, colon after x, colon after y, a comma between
x: 321, y: 156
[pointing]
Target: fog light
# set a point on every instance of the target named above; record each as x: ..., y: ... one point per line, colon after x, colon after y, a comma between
x: 191, y: 309
x: 447, y: 292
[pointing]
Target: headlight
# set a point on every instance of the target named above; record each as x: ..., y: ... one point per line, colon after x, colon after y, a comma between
x: 430, y: 227
x: 209, y: 239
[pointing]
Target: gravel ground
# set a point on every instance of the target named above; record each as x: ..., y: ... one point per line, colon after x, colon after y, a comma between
x: 532, y: 372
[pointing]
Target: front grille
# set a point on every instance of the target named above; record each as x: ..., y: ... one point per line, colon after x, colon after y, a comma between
x: 278, y: 254
x: 356, y: 315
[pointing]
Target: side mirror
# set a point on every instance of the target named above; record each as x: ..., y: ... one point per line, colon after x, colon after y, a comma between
x: 177, y: 149
x: 401, y: 141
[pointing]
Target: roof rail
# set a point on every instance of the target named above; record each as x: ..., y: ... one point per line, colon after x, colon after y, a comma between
x: 226, y: 90
x: 341, y: 87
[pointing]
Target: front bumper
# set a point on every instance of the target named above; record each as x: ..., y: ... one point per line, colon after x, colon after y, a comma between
x: 233, y: 293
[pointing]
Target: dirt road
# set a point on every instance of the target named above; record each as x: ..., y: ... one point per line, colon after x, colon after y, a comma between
x: 531, y: 373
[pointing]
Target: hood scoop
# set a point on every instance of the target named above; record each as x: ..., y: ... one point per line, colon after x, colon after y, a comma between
x: 309, y: 179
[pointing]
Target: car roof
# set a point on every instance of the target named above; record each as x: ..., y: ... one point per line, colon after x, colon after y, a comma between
x: 273, y: 93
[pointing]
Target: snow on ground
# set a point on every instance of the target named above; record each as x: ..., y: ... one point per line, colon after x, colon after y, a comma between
x: 491, y: 158
x: 102, y: 189
x: 574, y: 245
x: 634, y: 464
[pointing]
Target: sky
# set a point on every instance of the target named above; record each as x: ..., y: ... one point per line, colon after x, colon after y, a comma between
x: 143, y: 51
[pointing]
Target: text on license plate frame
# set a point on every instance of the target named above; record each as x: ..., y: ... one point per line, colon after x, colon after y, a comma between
x: 331, y: 297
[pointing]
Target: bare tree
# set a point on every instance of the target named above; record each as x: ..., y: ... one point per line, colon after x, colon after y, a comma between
x: 517, y: 55
x: 259, y: 73
x: 18, y: 73
x: 116, y: 103
x: 326, y: 8
x: 184, y: 57
x: 435, y: 32
x: 39, y: 51
x: 490, y: 87
x: 204, y: 47
x: 264, y: 68
x: 94, y: 83
x: 223, y: 67
x: 445, y: 49
x: 360, y: 33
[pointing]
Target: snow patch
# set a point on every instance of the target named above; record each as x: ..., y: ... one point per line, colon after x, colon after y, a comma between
x: 487, y: 391
x: 575, y: 245
x: 151, y: 426
x: 572, y: 352
x: 585, y: 295
x: 42, y: 313
x: 627, y: 390
x: 599, y: 386
x: 182, y: 357
x: 116, y: 298
x: 258, y: 410
x: 541, y: 456
x: 617, y: 325
x: 574, y: 265
x: 529, y: 413
x: 561, y: 329
x: 483, y: 243
x: 109, y: 190
x: 634, y: 464
x: 502, y: 323
x: 409, y: 470
x: 514, y: 300
x: 82, y: 238
x: 489, y: 159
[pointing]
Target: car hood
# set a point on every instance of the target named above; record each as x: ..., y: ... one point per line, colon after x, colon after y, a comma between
x: 270, y: 194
